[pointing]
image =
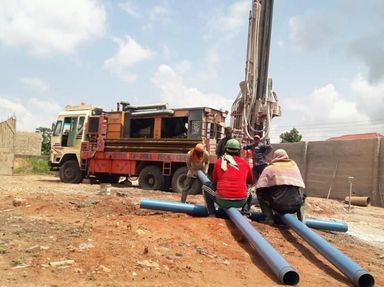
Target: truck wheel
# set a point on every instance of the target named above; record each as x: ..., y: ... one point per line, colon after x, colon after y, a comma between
x: 178, y: 179
x: 150, y: 178
x: 70, y: 172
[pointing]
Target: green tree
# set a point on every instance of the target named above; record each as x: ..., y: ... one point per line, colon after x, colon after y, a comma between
x: 46, y: 143
x: 292, y: 136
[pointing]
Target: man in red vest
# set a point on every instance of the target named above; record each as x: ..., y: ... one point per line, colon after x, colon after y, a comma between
x: 231, y: 174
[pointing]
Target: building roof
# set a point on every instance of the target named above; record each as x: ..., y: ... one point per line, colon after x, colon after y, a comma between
x: 356, y: 137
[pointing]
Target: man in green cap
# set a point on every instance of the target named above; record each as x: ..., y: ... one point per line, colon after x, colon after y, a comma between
x: 231, y: 174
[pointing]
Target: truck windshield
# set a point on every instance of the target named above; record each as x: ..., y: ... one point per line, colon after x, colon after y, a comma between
x: 57, y: 130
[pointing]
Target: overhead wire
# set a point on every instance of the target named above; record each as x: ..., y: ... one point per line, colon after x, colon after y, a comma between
x: 321, y: 131
x: 332, y: 124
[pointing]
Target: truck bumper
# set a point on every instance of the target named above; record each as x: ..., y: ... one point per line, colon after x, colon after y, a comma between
x: 53, y: 166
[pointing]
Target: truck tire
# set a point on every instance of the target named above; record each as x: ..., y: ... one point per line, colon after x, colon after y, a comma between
x: 150, y: 178
x: 70, y: 172
x: 178, y: 179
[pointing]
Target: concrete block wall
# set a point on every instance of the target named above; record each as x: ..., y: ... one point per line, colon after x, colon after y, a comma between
x: 361, y: 159
x: 7, y: 142
x: 380, y: 172
x: 6, y: 161
x: 28, y: 143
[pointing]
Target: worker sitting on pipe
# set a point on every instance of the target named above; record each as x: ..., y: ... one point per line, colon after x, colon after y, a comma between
x: 230, y: 177
x: 278, y: 188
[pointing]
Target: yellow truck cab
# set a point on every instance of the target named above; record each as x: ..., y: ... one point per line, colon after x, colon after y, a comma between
x: 68, y: 133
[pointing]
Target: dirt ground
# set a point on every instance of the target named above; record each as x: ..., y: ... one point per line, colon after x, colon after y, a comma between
x: 55, y: 234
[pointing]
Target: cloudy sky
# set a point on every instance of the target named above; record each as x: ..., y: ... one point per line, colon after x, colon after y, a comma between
x: 326, y: 61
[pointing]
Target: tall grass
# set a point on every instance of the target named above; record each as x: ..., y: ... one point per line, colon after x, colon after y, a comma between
x: 33, y: 165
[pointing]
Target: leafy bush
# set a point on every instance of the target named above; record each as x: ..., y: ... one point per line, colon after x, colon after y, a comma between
x: 46, y: 133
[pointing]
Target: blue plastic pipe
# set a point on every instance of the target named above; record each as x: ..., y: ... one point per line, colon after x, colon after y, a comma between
x: 192, y: 209
x: 199, y: 210
x: 275, y: 261
x: 311, y: 222
x: 326, y: 225
x: 203, y: 177
x: 359, y: 276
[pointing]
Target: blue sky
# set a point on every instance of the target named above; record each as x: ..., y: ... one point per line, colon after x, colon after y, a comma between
x: 326, y: 60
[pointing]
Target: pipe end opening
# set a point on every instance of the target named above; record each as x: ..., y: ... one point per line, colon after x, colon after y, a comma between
x: 291, y: 278
x: 366, y: 280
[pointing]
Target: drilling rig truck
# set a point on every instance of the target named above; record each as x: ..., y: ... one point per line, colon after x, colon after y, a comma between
x: 151, y: 142
x: 148, y: 141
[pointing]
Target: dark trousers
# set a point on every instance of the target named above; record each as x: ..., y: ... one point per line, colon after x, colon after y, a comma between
x: 187, y: 185
x: 209, y: 192
x: 257, y: 170
x: 281, y: 199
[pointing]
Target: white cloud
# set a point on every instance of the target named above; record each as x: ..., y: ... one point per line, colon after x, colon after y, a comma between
x: 183, y: 66
x: 322, y: 114
x: 10, y: 108
x: 159, y: 13
x: 129, y: 53
x: 211, y: 64
x: 35, y: 84
x: 325, y: 105
x: 130, y: 8
x: 370, y: 49
x: 177, y: 94
x: 233, y: 20
x: 311, y: 31
x: 166, y: 52
x: 221, y: 30
x: 45, y: 27
x: 30, y: 114
x: 370, y: 98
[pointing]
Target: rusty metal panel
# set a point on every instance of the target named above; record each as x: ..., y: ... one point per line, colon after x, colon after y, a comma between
x: 157, y: 128
x: 115, y: 124
x: 112, y: 166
